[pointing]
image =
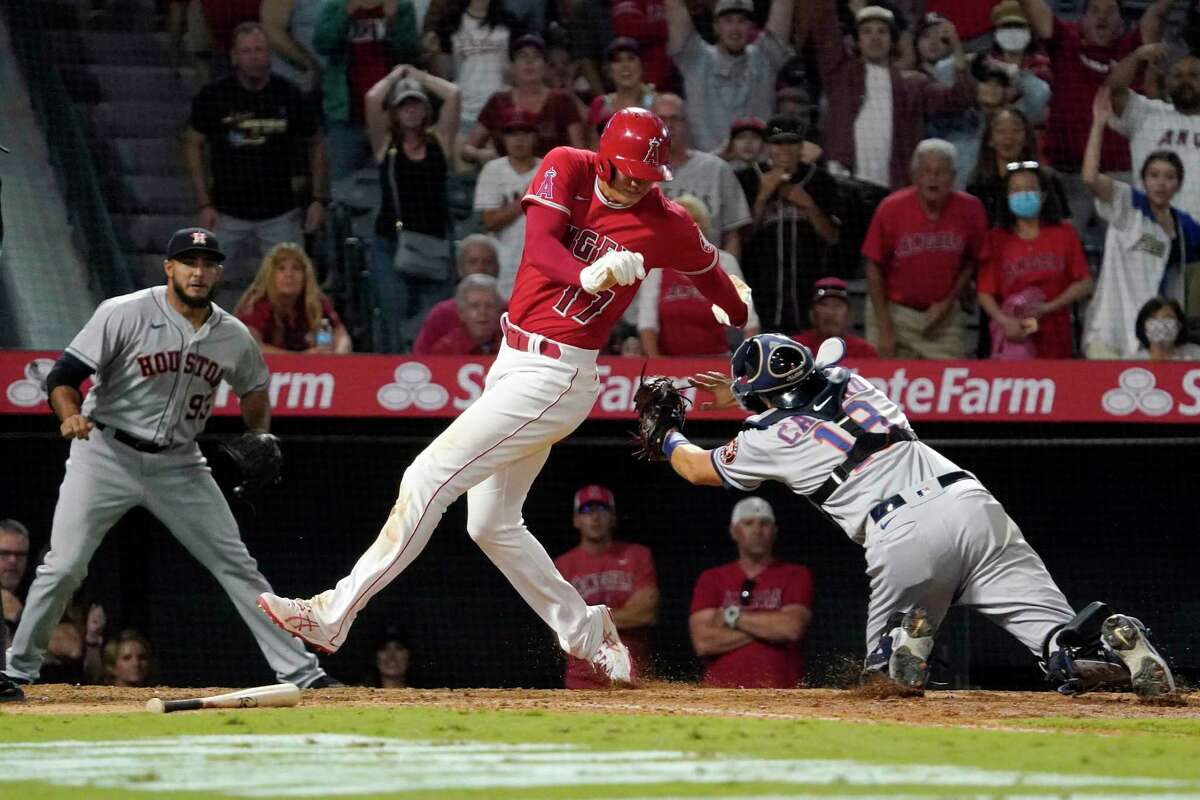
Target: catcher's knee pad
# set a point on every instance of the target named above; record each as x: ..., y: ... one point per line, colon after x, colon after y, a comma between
x: 902, y: 653
x: 1075, y: 658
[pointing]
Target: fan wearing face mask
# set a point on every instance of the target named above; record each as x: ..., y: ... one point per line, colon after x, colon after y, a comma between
x: 1162, y: 332
x: 1013, y: 42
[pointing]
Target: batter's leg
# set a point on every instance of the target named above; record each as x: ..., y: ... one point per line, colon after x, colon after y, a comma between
x: 96, y: 491
x: 189, y: 502
x: 495, y: 522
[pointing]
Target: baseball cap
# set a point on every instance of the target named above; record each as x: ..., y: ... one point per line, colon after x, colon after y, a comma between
x: 1008, y: 12
x: 751, y: 508
x: 874, y: 12
x: 404, y: 89
x: 622, y: 44
x: 594, y: 495
x: 830, y: 287
x: 748, y: 124
x: 194, y: 240
x: 518, y: 119
x: 528, y: 40
x: 926, y: 22
x: 730, y: 6
x: 786, y: 130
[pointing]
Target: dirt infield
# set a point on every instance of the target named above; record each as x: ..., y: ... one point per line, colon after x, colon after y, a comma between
x: 969, y: 708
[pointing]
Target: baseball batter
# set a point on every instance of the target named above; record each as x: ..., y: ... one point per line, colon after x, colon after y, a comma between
x: 595, y: 222
x: 933, y: 534
x: 156, y: 358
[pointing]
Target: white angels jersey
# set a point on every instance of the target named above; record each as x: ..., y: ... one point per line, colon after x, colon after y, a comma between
x: 156, y: 375
x: 802, y: 451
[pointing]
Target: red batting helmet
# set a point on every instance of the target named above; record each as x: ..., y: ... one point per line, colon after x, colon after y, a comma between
x: 635, y: 143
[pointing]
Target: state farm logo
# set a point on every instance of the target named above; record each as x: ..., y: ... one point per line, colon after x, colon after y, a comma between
x: 1137, y: 392
x: 413, y: 386
x: 29, y: 391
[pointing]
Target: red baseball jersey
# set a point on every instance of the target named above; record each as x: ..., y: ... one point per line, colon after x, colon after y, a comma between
x: 609, y: 578
x: 654, y: 226
x: 759, y: 664
x: 686, y: 325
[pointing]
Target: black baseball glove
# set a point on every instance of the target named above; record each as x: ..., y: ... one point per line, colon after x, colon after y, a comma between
x: 660, y: 407
x: 258, y: 461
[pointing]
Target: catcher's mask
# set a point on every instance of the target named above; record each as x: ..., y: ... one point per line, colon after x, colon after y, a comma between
x: 774, y: 367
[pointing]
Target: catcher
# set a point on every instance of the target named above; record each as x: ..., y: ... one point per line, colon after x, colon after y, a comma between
x: 156, y: 358
x: 933, y: 535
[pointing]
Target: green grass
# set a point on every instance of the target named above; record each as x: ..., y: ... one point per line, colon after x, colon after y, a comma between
x: 1148, y: 748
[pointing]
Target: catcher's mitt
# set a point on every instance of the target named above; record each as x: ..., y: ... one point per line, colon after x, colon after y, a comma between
x: 258, y: 461
x: 660, y: 407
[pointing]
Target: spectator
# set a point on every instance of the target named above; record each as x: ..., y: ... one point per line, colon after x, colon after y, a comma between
x: 1007, y: 137
x: 829, y: 313
x: 222, y: 19
x: 479, y: 308
x: 14, y: 559
x: 749, y: 617
x: 746, y: 153
x: 127, y: 660
x: 392, y: 659
x: 1147, y: 245
x: 704, y: 175
x: 410, y: 256
x: 934, y: 40
x: 625, y: 71
x: 793, y: 101
x: 1161, y: 329
x: 291, y: 28
x: 1153, y: 124
x: 969, y: 19
x: 476, y: 256
x: 876, y: 114
x: 556, y: 110
x: 1012, y: 41
x: 253, y: 122
x: 1035, y: 271
x: 498, y: 192
x: 610, y: 572
x: 1081, y: 54
x: 285, y: 309
x: 644, y: 22
x: 796, y: 211
x: 75, y: 652
x: 563, y: 69
x: 476, y: 35
x: 362, y: 40
x: 920, y: 252
x: 735, y: 77
x: 674, y: 319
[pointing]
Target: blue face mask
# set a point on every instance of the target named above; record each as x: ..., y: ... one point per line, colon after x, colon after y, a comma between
x: 1025, y: 205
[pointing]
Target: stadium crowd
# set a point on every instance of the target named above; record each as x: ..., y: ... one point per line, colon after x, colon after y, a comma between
x: 937, y: 149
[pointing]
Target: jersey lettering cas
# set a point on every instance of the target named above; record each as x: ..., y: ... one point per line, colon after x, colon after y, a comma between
x: 801, y: 451
x: 655, y: 227
x: 156, y: 375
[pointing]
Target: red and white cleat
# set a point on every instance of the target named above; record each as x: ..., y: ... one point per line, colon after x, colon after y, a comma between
x: 298, y: 618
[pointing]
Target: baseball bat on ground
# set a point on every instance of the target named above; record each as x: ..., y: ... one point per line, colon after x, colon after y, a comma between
x: 277, y: 695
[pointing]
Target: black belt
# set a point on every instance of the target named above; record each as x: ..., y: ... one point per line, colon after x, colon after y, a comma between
x: 124, y: 438
x: 896, y: 501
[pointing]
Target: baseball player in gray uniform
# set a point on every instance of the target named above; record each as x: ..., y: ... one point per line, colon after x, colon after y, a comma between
x: 156, y: 358
x: 933, y: 535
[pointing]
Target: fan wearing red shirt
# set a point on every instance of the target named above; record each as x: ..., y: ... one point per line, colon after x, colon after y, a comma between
x: 612, y: 573
x: 749, y: 617
x: 1036, y: 270
x: 829, y: 313
x: 595, y: 222
x: 921, y: 249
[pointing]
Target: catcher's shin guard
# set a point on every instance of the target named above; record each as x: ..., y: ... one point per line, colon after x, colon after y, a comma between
x: 903, y: 650
x: 1100, y: 650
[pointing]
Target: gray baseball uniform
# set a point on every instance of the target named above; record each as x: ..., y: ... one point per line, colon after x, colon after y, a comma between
x: 945, y: 545
x: 155, y: 377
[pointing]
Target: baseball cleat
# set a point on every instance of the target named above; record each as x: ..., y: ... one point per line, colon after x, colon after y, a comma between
x: 912, y: 642
x: 9, y: 690
x: 1129, y: 640
x: 298, y: 618
x: 612, y: 657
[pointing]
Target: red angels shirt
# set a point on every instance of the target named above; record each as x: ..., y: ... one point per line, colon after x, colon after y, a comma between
x: 441, y: 320
x: 921, y: 257
x: 686, y: 325
x: 609, y: 578
x: 855, y: 347
x: 1051, y: 262
x: 292, y: 334
x: 757, y: 665
x: 655, y: 227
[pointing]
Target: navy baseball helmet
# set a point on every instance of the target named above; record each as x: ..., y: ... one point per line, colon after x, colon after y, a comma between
x: 771, y: 366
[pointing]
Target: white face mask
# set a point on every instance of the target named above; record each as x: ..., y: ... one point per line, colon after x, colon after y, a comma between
x: 1012, y: 40
x: 1162, y: 331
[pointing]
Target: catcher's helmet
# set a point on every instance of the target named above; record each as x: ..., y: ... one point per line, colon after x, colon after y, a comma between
x: 637, y: 144
x: 771, y: 366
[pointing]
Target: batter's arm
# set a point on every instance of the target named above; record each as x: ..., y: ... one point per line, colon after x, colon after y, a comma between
x: 544, y: 229
x: 784, y: 626
x: 256, y: 411
x: 640, y: 609
x: 711, y: 636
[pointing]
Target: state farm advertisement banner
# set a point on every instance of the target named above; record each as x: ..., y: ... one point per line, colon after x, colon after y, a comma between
x: 402, y: 386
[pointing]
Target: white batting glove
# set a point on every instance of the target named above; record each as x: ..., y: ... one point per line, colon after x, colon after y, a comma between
x: 615, y: 266
x: 744, y: 292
